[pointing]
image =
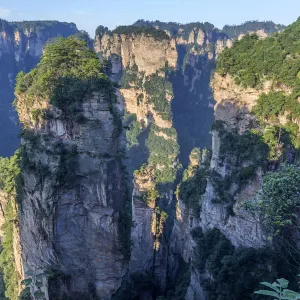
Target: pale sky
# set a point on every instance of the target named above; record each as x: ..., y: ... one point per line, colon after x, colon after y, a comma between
x: 88, y: 14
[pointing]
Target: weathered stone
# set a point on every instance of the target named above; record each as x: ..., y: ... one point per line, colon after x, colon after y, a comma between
x: 73, y: 226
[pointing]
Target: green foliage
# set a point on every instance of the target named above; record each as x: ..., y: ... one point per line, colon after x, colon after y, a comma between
x: 194, y: 182
x: 7, y: 260
x: 66, y: 172
x: 192, y: 189
x: 134, y: 129
x: 248, y: 147
x: 158, y: 89
x: 268, y: 108
x: 47, y: 28
x: 278, y: 140
x: 278, y: 200
x: 150, y: 196
x: 252, y: 61
x: 52, y: 27
x: 212, y: 246
x: 163, y: 153
x: 153, y: 32
x: 67, y: 74
x: 233, y: 31
x: 107, y: 67
x: 177, y: 290
x: 221, y: 187
x: 279, y: 290
x: 132, y: 78
x: 176, y: 29
x: 70, y: 92
x: 248, y: 63
x: 196, y: 154
x: 236, y: 272
x: 292, y: 130
x: 9, y: 170
x: 170, y: 132
x: 84, y: 36
x: 245, y: 153
x: 101, y: 30
x: 269, y: 105
x: 253, y: 149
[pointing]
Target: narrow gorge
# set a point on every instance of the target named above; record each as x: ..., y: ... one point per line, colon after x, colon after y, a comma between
x: 154, y: 166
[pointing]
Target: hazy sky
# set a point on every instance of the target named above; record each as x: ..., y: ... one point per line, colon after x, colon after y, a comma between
x: 88, y: 14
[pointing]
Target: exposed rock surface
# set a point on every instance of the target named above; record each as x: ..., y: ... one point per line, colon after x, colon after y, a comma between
x: 145, y: 58
x: 193, y: 102
x: 149, y: 54
x: 233, y: 106
x: 74, y: 185
x: 71, y: 225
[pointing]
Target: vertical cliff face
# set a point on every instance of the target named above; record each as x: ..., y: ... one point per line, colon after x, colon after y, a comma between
x: 72, y: 231
x: 176, y: 66
x: 247, y: 142
x: 21, y: 46
x: 75, y: 213
x: 142, y: 61
x: 233, y: 109
x: 72, y: 226
x: 198, y: 45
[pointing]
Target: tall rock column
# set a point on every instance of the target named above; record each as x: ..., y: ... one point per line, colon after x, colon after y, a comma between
x: 71, y: 224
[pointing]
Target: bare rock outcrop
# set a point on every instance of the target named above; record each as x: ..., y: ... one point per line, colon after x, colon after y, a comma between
x: 73, y: 194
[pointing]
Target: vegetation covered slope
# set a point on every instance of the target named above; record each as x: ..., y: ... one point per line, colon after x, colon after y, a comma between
x: 232, y: 31
x: 158, y: 34
x: 67, y: 73
x: 9, y: 171
x: 253, y: 62
x: 46, y: 27
x: 134, y: 29
x: 269, y: 27
x: 269, y: 70
x: 176, y: 29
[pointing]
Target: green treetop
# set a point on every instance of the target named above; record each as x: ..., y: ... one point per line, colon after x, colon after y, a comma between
x: 68, y: 72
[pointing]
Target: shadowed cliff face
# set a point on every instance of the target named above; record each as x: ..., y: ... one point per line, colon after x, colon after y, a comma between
x: 193, y: 106
x: 21, y: 46
x: 141, y: 63
x: 197, y: 46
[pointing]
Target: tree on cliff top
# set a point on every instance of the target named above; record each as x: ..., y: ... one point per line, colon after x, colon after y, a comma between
x: 68, y: 72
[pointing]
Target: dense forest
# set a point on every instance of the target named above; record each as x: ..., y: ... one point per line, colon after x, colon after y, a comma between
x: 269, y: 27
